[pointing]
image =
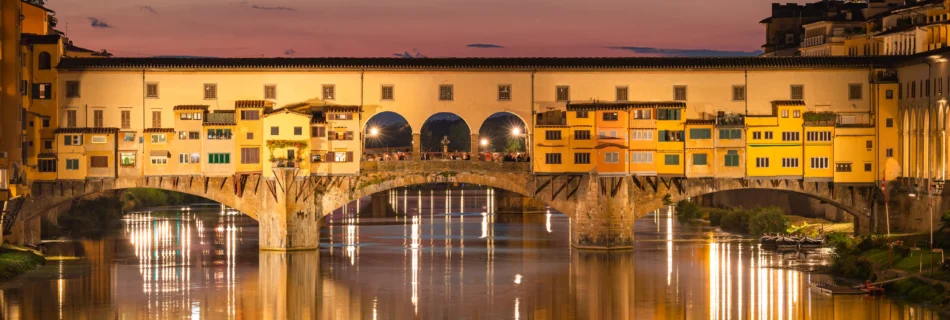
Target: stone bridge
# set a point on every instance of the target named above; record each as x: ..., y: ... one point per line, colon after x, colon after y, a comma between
x: 602, y: 209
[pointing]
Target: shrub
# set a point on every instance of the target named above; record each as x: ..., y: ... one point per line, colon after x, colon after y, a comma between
x: 768, y: 220
x: 687, y: 212
x: 714, y: 215
x: 92, y: 217
x: 737, y: 220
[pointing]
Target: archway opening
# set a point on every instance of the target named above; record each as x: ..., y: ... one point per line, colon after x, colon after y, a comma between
x: 445, y: 132
x: 503, y: 132
x: 387, y: 133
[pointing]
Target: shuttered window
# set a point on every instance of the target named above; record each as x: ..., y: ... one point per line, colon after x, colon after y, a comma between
x: 126, y: 119
x: 97, y: 118
x: 99, y: 162
x: 156, y: 119
x: 250, y: 155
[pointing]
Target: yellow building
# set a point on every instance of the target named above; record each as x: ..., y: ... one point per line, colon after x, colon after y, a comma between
x: 581, y: 140
x: 343, y: 142
x: 217, y: 144
x: 186, y: 146
x: 730, y: 146
x: 819, y: 130
x: 249, y: 134
x: 642, y: 141
x: 158, y: 144
x: 83, y: 153
x: 611, y: 123
x: 287, y: 139
x: 700, y: 148
x: 854, y: 149
x: 550, y: 154
x: 670, y: 126
x: 774, y: 143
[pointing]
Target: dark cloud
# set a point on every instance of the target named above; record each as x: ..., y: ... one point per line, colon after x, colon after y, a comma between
x: 272, y: 8
x: 148, y: 9
x: 99, y: 24
x: 415, y: 54
x: 688, y: 52
x: 289, y: 52
x: 484, y: 46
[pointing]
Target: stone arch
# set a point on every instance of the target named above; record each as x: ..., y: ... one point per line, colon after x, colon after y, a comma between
x: 429, y: 139
x: 496, y: 129
x: 393, y: 130
x: 843, y: 207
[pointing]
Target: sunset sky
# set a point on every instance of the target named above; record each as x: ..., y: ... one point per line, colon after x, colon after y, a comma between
x: 434, y: 28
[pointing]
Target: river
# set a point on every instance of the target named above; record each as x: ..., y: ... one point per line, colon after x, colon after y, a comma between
x: 439, y: 253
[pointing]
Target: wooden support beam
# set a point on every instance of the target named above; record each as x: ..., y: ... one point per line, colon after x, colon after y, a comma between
x: 541, y: 187
x: 636, y: 181
x: 616, y: 186
x: 561, y: 188
x: 653, y: 183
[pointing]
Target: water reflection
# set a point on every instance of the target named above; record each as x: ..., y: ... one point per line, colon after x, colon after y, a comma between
x: 438, y: 252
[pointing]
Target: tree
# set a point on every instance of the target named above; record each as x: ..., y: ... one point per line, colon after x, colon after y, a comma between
x: 513, y: 145
x: 687, y: 212
x: 768, y: 220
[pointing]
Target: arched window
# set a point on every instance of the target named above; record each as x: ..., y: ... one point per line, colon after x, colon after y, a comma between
x: 44, y: 61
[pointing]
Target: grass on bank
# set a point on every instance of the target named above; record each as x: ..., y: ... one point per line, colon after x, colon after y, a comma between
x: 15, y: 261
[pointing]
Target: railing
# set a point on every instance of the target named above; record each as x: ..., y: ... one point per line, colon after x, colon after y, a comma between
x: 445, y: 165
x: 284, y: 163
x: 854, y: 119
x: 813, y: 41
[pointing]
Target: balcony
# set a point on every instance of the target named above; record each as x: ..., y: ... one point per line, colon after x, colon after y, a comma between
x: 854, y: 119
x: 826, y: 118
x: 813, y: 41
x: 285, y: 163
x: 731, y: 119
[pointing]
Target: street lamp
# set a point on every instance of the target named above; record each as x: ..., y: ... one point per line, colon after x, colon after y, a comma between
x: 374, y: 131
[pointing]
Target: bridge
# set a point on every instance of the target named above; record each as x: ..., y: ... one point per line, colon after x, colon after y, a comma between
x: 602, y: 208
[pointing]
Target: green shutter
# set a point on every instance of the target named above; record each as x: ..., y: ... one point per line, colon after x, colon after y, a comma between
x: 671, y: 159
x: 699, y: 159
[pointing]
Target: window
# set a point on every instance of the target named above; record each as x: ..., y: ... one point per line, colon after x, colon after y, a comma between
x: 552, y: 134
x: 156, y: 119
x: 784, y: 113
x: 669, y: 136
x: 671, y: 159
x: 738, y: 93
x: 668, y: 114
x: 72, y: 140
x: 889, y: 122
x: 622, y: 93
x: 159, y: 160
x: 643, y: 135
x: 504, y: 92
x: 732, y: 158
x: 855, y: 91
x: 700, y: 133
x: 250, y: 136
x: 48, y: 144
x: 789, y: 162
x: 316, y: 157
x: 250, y: 155
x: 72, y: 164
x: 219, y: 158
x: 610, y: 116
x: 128, y: 136
x: 185, y: 116
x: 730, y: 134
x: 341, y: 116
x: 270, y: 91
x: 562, y: 93
x: 867, y: 167
x: 274, y: 131
x: 791, y: 136
x: 581, y: 134
x: 797, y: 92
x: 47, y: 165
x: 819, y: 163
x: 97, y: 120
x: 768, y: 135
x: 761, y: 162
x: 183, y: 135
x: 219, y: 134
x: 298, y: 131
x: 250, y: 114
x: 43, y: 91
x: 818, y: 136
x: 913, y: 89
x: 126, y: 119
x: 99, y: 139
x: 45, y: 122
x: 71, y: 118
x: 843, y: 167
x: 151, y: 90
x: 641, y: 157
x: 72, y: 89
x: 388, y: 93
x: 699, y: 159
x: 889, y: 94
x: 582, y: 158
x: 756, y: 135
x: 679, y: 93
x: 341, y: 156
x: 889, y: 152
x: 552, y: 158
x: 194, y: 135
x: 445, y: 92
x: 796, y: 113
x: 642, y: 114
x: 581, y: 114
x: 340, y: 135
x: 44, y: 61
x: 184, y: 158
x: 611, y: 157
x: 869, y: 144
x: 318, y: 132
x: 211, y: 91
x: 329, y: 92
x: 158, y: 138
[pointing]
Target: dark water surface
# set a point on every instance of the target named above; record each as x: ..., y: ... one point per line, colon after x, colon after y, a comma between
x: 416, y: 256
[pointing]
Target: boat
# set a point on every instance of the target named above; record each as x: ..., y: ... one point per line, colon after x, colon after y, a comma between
x: 787, y: 243
x: 768, y: 242
x: 811, y: 243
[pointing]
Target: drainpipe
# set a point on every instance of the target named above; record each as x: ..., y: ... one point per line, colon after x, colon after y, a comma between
x: 531, y: 152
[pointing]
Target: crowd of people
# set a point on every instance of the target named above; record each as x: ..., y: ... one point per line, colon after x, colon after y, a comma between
x: 484, y: 156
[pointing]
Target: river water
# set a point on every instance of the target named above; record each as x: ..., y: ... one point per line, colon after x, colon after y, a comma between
x: 436, y: 253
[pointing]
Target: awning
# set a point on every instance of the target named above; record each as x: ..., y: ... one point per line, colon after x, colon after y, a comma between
x: 160, y: 153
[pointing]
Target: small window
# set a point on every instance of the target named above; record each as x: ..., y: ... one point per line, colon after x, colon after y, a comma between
x: 329, y: 92
x: 151, y: 90
x: 274, y: 131
x: 250, y: 114
x: 582, y: 158
x: 581, y: 114
x: 504, y: 92
x: 679, y: 93
x: 867, y: 167
x: 72, y: 164
x: 622, y: 93
x: 552, y: 135
x: 796, y: 114
x: 699, y: 159
x: 562, y: 93
x: 298, y: 131
x: 210, y: 91
x: 611, y: 157
x: 700, y: 133
x: 128, y: 136
x: 72, y: 89
x: 98, y: 118
x: 889, y: 152
x: 798, y: 92
x: 889, y: 122
x: 194, y: 135
x: 732, y: 158
x: 44, y: 61
x: 671, y: 159
x: 250, y: 155
x: 761, y: 162
x: 738, y: 93
x: 270, y: 91
x: 869, y: 144
x: 855, y: 91
x: 99, y: 139
x: 768, y: 135
x: 156, y: 119
x: 250, y: 136
x: 126, y: 119
x: 388, y: 93
x: 445, y: 92
x: 48, y: 144
x: 552, y: 158
x: 843, y: 167
x: 159, y: 138
x: 42, y: 91
x: 784, y: 113
x: 611, y: 116
x: 888, y: 94
x: 581, y: 134
x: 47, y: 165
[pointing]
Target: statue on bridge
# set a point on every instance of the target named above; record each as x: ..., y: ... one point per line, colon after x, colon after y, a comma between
x: 445, y: 144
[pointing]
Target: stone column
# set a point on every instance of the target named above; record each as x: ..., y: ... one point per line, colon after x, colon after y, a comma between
x: 286, y: 221
x: 510, y: 202
x: 289, y: 285
x: 416, y: 146
x: 603, y: 220
x: 476, y: 146
x: 379, y: 204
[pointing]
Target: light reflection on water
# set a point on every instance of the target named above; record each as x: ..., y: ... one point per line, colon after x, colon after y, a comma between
x: 427, y: 253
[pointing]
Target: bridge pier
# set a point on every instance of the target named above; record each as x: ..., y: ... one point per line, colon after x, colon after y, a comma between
x: 416, y: 146
x: 289, y: 217
x: 604, y: 215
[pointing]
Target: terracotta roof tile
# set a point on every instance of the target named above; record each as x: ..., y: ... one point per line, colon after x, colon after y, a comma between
x: 788, y: 102
x: 190, y: 107
x: 159, y: 130
x: 623, y: 105
x: 87, y: 130
x: 252, y: 104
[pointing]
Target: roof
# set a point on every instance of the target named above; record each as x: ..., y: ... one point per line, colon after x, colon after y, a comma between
x: 342, y: 109
x: 252, y: 104
x: 788, y: 102
x: 46, y: 155
x: 29, y: 38
x: 623, y: 105
x: 218, y: 118
x: 897, y: 30
x: 87, y: 130
x: 77, y: 63
x: 190, y: 107
x: 36, y: 5
x: 700, y: 121
x: 159, y: 130
x: 610, y: 144
x: 288, y: 110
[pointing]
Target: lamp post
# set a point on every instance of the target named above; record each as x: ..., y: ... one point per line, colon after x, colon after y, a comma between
x: 484, y: 146
x: 516, y: 132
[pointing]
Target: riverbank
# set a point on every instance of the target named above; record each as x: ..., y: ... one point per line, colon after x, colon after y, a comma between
x: 15, y: 261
